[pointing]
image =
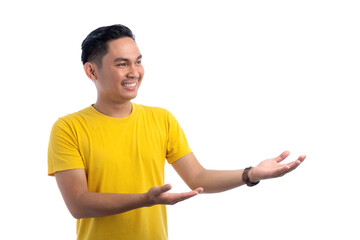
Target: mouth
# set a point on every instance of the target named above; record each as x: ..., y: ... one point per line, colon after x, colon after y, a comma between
x: 129, y: 86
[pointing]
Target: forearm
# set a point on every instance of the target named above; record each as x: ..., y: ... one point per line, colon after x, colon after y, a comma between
x: 84, y: 204
x: 213, y: 181
x: 90, y: 204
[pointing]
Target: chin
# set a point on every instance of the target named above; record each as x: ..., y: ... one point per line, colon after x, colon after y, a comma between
x: 128, y: 98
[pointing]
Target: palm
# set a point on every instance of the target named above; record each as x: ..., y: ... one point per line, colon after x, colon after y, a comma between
x: 271, y: 168
x: 160, y: 195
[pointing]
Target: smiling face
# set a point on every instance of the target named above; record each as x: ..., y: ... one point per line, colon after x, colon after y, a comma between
x: 118, y: 78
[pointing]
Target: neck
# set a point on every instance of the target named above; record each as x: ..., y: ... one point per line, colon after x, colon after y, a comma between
x: 115, y: 110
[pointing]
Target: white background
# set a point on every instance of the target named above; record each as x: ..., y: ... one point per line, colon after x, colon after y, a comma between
x: 245, y: 79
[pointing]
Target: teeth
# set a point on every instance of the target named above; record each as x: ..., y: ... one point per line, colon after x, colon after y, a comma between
x: 129, y: 85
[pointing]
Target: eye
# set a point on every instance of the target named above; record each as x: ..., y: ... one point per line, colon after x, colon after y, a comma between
x: 121, y: 64
x: 138, y: 62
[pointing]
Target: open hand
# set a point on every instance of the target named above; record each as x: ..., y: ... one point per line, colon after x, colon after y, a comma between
x: 271, y: 168
x: 160, y: 195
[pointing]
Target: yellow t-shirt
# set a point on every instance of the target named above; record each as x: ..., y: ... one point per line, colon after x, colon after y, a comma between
x: 119, y: 155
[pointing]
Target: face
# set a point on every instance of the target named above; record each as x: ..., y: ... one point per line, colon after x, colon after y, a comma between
x: 120, y: 75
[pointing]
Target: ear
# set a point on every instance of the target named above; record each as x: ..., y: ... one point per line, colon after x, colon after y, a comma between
x: 91, y: 70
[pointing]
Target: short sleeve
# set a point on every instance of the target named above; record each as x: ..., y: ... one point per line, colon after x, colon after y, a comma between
x: 177, y: 145
x: 63, y: 151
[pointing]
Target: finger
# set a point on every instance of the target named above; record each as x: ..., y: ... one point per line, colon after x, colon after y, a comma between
x: 179, y: 197
x: 186, y: 195
x: 282, y: 156
x: 199, y: 190
x: 281, y: 170
x: 165, y: 187
x: 301, y: 158
x: 290, y: 166
x: 295, y: 164
x: 190, y: 194
x: 162, y: 189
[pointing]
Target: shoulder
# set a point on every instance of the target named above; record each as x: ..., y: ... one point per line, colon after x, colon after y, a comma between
x: 157, y: 111
x: 157, y: 115
x: 73, y: 119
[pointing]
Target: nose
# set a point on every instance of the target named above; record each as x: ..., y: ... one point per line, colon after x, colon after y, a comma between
x: 133, y: 72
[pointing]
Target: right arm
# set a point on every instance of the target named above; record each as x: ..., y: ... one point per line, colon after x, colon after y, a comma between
x: 84, y: 204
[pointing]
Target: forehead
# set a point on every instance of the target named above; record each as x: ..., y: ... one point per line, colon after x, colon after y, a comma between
x: 122, y: 47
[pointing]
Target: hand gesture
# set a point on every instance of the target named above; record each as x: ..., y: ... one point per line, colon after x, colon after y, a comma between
x: 160, y: 195
x: 271, y: 168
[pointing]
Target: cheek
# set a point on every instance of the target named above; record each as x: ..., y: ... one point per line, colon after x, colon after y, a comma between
x: 115, y: 78
x: 110, y: 84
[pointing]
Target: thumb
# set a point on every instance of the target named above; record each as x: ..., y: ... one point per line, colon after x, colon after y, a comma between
x: 282, y: 156
x: 164, y: 188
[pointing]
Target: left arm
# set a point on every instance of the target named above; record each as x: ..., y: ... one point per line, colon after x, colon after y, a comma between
x: 212, y: 181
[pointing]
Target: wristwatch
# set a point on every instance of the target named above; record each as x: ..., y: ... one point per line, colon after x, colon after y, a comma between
x: 246, y: 179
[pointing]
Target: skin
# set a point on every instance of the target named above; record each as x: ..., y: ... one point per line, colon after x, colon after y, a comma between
x: 120, y: 66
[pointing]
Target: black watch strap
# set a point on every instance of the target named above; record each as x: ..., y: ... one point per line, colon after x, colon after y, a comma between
x: 246, y: 178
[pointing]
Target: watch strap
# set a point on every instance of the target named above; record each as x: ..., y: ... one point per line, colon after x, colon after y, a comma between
x: 246, y: 179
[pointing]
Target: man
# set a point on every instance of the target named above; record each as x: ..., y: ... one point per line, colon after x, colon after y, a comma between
x: 108, y: 159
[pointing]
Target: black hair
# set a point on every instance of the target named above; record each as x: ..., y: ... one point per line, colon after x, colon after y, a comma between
x: 94, y: 47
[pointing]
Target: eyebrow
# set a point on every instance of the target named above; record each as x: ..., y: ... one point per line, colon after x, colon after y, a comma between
x: 126, y: 59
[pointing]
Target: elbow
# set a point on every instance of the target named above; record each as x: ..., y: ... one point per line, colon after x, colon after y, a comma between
x: 204, y: 189
x: 192, y: 184
x: 197, y: 181
x: 193, y: 187
x: 77, y: 213
x: 78, y: 216
x: 77, y: 207
x: 77, y: 210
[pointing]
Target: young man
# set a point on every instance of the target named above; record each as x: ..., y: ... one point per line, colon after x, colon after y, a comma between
x: 108, y: 159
